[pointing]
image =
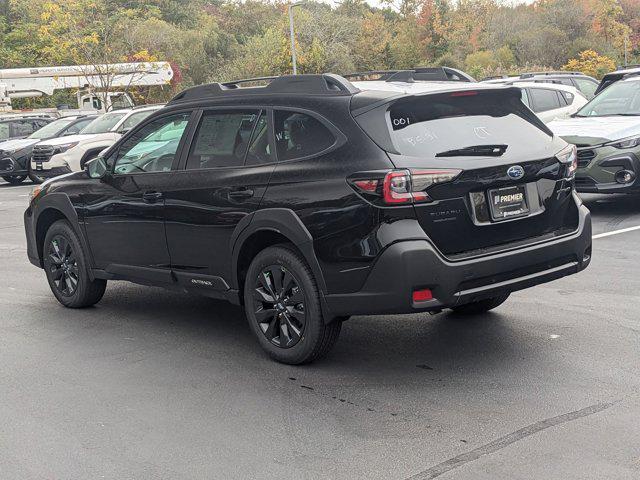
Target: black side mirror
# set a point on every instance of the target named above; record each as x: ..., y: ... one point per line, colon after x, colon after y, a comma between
x: 96, y: 168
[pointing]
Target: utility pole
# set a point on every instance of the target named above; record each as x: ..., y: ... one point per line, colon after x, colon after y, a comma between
x: 293, y: 38
x: 625, y: 51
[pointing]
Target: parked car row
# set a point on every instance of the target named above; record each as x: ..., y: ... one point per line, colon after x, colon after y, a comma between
x: 42, y: 147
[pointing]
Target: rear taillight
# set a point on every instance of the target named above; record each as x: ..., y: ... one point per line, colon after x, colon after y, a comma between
x: 569, y: 157
x: 404, y: 186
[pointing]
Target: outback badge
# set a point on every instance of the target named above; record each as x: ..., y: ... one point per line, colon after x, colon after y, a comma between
x: 515, y: 172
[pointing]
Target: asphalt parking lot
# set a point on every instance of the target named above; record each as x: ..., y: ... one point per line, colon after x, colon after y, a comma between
x: 157, y: 385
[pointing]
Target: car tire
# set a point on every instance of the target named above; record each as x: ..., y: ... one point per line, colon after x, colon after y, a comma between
x: 67, y: 270
x: 88, y: 158
x: 35, y: 178
x: 14, y: 179
x: 481, y: 306
x: 282, y: 306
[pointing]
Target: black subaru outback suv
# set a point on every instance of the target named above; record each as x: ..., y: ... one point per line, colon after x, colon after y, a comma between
x: 309, y: 200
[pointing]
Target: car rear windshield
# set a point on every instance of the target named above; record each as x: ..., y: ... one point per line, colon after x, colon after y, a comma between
x: 462, y: 123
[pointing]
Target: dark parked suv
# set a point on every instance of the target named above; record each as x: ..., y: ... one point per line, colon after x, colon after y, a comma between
x: 309, y: 200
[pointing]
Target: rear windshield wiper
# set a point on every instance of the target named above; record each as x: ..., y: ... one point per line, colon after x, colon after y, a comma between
x: 476, y: 150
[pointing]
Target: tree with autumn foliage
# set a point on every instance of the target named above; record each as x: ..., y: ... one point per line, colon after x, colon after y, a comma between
x: 214, y: 40
x: 590, y: 63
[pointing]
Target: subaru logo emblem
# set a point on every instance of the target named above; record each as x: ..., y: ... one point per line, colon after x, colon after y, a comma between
x: 515, y: 172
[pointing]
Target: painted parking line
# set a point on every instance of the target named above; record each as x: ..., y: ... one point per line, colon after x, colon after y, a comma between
x: 616, y: 232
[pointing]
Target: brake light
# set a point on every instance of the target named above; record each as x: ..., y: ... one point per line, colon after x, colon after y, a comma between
x: 408, y: 186
x: 467, y: 93
x: 399, y: 187
x: 396, y: 187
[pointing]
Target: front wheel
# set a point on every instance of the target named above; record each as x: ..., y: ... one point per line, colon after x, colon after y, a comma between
x: 481, y: 306
x: 35, y: 178
x: 282, y: 304
x: 67, y: 270
x: 14, y: 179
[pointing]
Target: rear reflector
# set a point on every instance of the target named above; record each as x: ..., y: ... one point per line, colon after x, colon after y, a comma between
x: 422, y: 295
x: 366, y: 185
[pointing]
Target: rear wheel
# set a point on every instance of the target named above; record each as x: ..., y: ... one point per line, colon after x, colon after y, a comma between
x: 67, y: 270
x: 282, y: 304
x: 14, y: 179
x: 481, y: 306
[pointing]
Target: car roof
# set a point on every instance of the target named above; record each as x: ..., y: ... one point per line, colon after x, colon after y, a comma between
x: 11, y: 119
x: 424, y: 87
x: 547, y: 85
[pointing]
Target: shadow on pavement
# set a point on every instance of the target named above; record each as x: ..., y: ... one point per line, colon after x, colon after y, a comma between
x: 375, y: 346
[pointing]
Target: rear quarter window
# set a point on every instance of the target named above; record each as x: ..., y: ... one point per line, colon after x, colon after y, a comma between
x: 544, y: 99
x: 299, y: 135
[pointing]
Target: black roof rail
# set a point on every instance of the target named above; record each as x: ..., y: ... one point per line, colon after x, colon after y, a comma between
x: 541, y: 74
x: 237, y: 83
x: 625, y: 67
x: 308, y: 84
x: 425, y: 74
x: 494, y: 77
x: 381, y: 74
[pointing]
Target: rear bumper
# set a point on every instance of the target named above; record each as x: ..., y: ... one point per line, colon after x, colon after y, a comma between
x: 414, y: 264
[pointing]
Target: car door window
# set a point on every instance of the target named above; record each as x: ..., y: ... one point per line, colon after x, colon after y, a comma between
x: 22, y: 128
x: 153, y: 147
x: 300, y: 135
x: 259, y: 148
x: 4, y: 131
x: 222, y: 139
x: 544, y: 99
x: 586, y: 86
x: 133, y: 120
x: 76, y: 127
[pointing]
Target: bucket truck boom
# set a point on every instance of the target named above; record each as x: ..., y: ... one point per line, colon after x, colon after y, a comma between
x: 99, y: 80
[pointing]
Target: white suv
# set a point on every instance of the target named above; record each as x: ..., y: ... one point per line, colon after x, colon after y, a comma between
x: 58, y: 156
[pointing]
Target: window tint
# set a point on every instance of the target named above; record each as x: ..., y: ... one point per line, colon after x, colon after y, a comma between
x: 259, y: 148
x: 24, y: 127
x: 222, y: 139
x: 153, y: 147
x: 544, y: 99
x: 586, y: 86
x: 134, y: 119
x: 299, y: 135
x: 77, y: 127
x: 4, y: 131
x: 568, y: 97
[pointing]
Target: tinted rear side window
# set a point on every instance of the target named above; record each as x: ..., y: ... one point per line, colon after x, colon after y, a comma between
x: 222, y: 139
x: 300, y: 135
x: 427, y: 126
x: 544, y: 99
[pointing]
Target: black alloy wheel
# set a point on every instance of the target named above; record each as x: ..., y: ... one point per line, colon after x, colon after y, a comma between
x: 279, y: 306
x: 62, y: 265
